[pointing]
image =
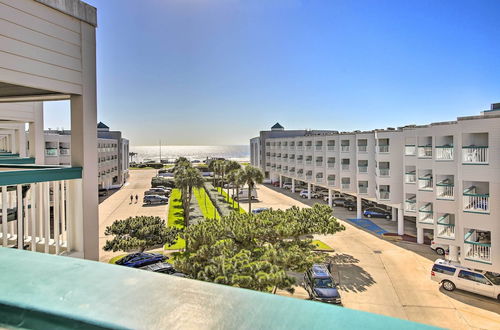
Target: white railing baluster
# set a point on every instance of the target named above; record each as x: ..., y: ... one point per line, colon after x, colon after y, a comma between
x: 46, y: 215
x: 33, y: 216
x: 20, y: 236
x: 5, y: 228
x: 56, y: 209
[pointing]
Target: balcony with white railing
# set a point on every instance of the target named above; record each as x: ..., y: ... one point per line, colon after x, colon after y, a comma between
x: 300, y: 147
x: 346, y: 186
x: 319, y: 164
x: 319, y: 179
x: 477, y: 246
x: 383, y: 148
x: 52, y: 152
x: 384, y: 195
x: 444, y: 152
x: 319, y: 147
x: 309, y: 162
x: 425, y: 183
x: 309, y: 146
x: 344, y: 148
x: 410, y: 177
x: 475, y: 155
x: 300, y: 173
x: 362, y: 148
x: 410, y: 150
x: 411, y: 205
x: 331, y: 165
x: 362, y: 190
x: 475, y: 202
x: 445, y: 229
x: 363, y: 169
x: 309, y: 175
x: 300, y: 160
x: 331, y: 147
x: 425, y: 151
x: 345, y: 167
x: 425, y: 214
x: 445, y: 190
x: 383, y: 172
x: 331, y: 182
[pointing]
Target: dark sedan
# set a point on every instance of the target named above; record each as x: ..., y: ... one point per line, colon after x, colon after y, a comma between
x: 375, y: 212
x: 140, y: 259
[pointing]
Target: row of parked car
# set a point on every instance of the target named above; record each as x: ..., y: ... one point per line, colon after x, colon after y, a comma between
x: 157, y: 195
x: 153, y: 262
x: 370, y: 209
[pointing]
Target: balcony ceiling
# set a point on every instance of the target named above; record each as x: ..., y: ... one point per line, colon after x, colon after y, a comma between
x: 17, y: 93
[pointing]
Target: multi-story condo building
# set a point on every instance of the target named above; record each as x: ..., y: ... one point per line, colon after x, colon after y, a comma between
x: 48, y: 52
x: 112, y: 154
x: 446, y: 176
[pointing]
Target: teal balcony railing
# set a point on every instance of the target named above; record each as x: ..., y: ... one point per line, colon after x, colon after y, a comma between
x: 53, y: 292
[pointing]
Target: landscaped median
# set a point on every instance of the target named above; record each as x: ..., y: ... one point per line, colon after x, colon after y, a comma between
x: 207, y: 207
x: 175, y: 218
x: 230, y: 201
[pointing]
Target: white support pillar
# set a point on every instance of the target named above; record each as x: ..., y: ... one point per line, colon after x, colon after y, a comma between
x: 293, y: 185
x: 21, y: 141
x: 420, y: 235
x: 453, y: 254
x: 359, y: 211
x: 330, y: 197
x: 36, y: 136
x: 394, y: 214
x: 401, y: 221
x: 308, y: 190
x: 5, y: 228
x: 281, y: 181
x: 33, y: 218
x: 85, y: 214
x: 19, y: 204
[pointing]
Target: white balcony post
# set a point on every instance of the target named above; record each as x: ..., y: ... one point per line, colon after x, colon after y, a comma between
x: 308, y: 191
x: 330, y: 197
x: 420, y: 235
x: 453, y: 253
x: 20, y: 234
x: 85, y: 215
x: 36, y: 136
x: 359, y: 212
x: 5, y: 228
x: 281, y: 181
x: 293, y: 185
x: 394, y: 214
x: 21, y: 140
x: 401, y: 221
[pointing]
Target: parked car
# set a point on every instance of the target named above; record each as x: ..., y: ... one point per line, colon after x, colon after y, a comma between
x: 243, y: 195
x: 340, y: 201
x: 304, y: 194
x: 376, y: 212
x: 286, y: 185
x: 140, y: 259
x: 165, y: 188
x: 352, y: 205
x: 440, y: 249
x: 160, y: 267
x: 334, y: 195
x: 276, y: 183
x: 158, y: 191
x: 103, y: 192
x: 453, y: 277
x: 259, y: 210
x: 320, y: 285
x: 155, y: 199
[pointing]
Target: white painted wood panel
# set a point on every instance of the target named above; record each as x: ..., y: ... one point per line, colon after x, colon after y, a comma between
x: 29, y: 80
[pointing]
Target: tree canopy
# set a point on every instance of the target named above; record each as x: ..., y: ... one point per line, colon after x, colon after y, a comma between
x: 139, y: 233
x: 255, y: 251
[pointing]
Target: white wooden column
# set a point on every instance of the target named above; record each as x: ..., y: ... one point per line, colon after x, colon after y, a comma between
x: 33, y: 215
x: 394, y: 214
x: 36, y: 135
x: 293, y: 185
x: 55, y: 187
x: 359, y: 210
x: 46, y: 215
x: 330, y: 202
x: 420, y: 235
x: 308, y: 190
x: 21, y: 140
x: 401, y: 221
x: 5, y: 228
x: 19, y: 204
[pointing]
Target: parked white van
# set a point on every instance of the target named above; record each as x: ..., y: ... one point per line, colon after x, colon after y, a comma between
x: 243, y: 194
x: 453, y: 277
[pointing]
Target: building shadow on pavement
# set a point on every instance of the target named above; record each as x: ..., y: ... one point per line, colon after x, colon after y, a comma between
x: 349, y: 276
x: 473, y: 299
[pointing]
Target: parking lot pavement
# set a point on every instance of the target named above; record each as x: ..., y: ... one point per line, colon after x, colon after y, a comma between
x: 390, y: 278
x: 117, y: 206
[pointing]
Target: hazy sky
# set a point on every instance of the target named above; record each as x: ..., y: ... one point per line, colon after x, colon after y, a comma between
x: 217, y: 71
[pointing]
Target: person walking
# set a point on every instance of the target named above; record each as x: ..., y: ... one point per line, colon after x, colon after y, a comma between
x: 136, y: 198
x: 131, y: 199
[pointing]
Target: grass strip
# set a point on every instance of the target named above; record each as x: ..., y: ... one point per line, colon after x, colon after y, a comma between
x: 321, y: 246
x: 175, y: 218
x: 207, y: 207
x: 230, y: 201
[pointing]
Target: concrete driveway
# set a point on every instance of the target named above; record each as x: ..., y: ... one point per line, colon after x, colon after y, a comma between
x: 117, y: 206
x: 392, y: 279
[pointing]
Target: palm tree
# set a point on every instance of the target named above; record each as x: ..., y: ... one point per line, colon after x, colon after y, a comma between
x: 251, y: 176
x: 213, y: 166
x: 231, y: 168
x: 186, y: 179
x: 237, y: 184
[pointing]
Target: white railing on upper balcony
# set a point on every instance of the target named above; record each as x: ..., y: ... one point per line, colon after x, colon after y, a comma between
x: 445, y: 229
x: 309, y: 147
x: 363, y: 169
x: 384, y: 195
x: 411, y: 205
x: 331, y: 147
x: 308, y: 176
x: 445, y: 190
x: 319, y: 164
x: 361, y: 148
x: 425, y: 183
x: 410, y: 177
x: 299, y: 147
x: 319, y: 180
x: 308, y: 162
x: 299, y: 160
x: 362, y: 190
x: 331, y: 182
x: 425, y: 151
x: 331, y: 164
x: 345, y: 167
x: 300, y: 174
x: 319, y: 147
x: 475, y: 155
x: 383, y: 172
x: 410, y: 150
x: 51, y: 152
x: 425, y: 214
x: 346, y: 186
x: 474, y: 202
x: 344, y: 148
x: 475, y: 250
x: 64, y: 152
x: 383, y: 148
x: 444, y: 152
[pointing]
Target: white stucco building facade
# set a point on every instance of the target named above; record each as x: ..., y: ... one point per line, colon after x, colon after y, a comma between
x: 444, y: 175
